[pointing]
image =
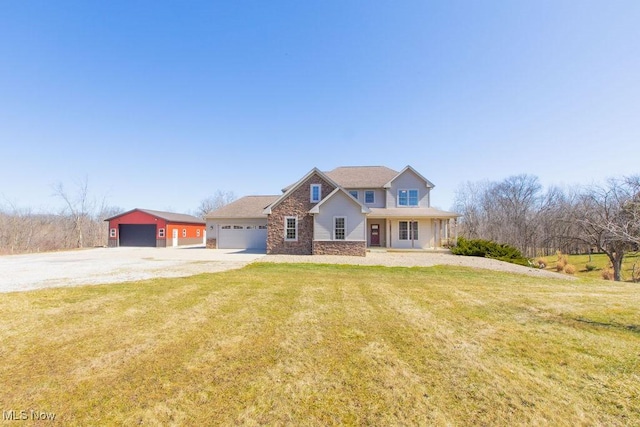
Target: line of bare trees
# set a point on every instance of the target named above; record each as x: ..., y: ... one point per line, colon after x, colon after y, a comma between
x: 519, y: 212
x: 79, y: 224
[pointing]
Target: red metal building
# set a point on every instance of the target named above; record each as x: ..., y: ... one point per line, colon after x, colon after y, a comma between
x: 145, y: 227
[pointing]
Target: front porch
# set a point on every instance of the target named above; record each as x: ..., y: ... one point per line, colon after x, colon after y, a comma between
x: 410, y: 234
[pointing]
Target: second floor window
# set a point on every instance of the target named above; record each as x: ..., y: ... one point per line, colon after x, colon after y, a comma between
x: 315, y: 192
x: 407, y: 197
x: 369, y: 196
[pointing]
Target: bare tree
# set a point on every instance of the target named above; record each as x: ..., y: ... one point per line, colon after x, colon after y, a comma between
x: 505, y: 212
x: 607, y: 217
x: 78, y: 206
x: 211, y: 203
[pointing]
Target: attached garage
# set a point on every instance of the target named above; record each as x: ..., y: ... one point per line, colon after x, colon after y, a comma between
x: 150, y: 228
x: 242, y: 236
x: 240, y: 225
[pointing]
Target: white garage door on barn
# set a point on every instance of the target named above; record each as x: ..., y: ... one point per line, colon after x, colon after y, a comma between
x: 242, y: 236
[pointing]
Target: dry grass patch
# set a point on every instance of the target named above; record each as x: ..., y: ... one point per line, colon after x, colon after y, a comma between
x: 327, y: 345
x: 596, y: 266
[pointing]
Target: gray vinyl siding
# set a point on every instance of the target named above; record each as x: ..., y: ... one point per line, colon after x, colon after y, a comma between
x: 408, y: 181
x: 425, y: 235
x: 379, y: 198
x: 339, y: 205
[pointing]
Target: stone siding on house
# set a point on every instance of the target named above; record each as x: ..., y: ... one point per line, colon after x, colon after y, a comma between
x: 212, y: 243
x: 334, y: 247
x: 296, y: 204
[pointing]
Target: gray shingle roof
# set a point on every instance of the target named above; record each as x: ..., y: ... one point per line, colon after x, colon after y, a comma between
x: 362, y: 176
x: 359, y: 176
x: 245, y: 207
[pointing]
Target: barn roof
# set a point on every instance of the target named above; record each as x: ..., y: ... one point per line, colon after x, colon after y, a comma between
x: 167, y: 216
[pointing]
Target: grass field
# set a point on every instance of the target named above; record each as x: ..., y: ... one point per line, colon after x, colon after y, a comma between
x: 600, y: 262
x: 308, y: 344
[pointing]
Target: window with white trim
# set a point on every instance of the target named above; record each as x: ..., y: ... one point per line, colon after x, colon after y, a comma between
x: 161, y: 233
x: 407, y: 197
x: 226, y: 227
x: 339, y: 227
x: 316, y: 191
x: 184, y: 232
x: 408, y: 230
x: 291, y: 228
x: 354, y: 193
x: 198, y: 232
x: 112, y: 232
x: 369, y: 197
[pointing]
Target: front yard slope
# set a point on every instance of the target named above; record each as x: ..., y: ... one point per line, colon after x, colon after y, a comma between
x: 311, y: 344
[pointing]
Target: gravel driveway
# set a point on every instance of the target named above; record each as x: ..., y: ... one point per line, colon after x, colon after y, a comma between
x: 112, y: 265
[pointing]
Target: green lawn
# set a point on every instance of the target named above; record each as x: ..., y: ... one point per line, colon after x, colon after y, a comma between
x: 309, y: 344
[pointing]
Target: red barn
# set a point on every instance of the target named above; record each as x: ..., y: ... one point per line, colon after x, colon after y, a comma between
x: 144, y: 227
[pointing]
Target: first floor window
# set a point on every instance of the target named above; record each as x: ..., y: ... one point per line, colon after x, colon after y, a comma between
x: 161, y: 233
x: 184, y: 232
x: 198, y: 232
x: 408, y: 230
x: 339, y: 227
x: 112, y: 232
x: 291, y: 228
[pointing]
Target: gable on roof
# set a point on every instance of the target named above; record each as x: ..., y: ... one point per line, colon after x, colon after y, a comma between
x: 339, y: 192
x: 320, y: 176
x: 409, y: 169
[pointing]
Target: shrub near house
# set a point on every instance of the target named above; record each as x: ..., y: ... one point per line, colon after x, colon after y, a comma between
x: 489, y: 249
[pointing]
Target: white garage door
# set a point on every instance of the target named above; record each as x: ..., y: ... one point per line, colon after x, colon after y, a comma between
x: 242, y: 237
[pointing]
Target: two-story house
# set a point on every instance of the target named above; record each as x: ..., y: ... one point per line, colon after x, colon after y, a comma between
x: 343, y: 211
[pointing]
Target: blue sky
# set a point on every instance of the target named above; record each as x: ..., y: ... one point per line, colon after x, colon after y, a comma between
x: 160, y: 104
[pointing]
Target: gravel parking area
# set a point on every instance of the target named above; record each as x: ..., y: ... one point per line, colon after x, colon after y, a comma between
x: 112, y: 265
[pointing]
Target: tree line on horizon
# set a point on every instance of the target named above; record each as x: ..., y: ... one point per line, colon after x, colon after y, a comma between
x: 80, y: 224
x: 519, y: 212
x: 516, y: 211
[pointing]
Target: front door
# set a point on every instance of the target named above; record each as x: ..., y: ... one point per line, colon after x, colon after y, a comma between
x: 375, y: 235
x: 175, y: 237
